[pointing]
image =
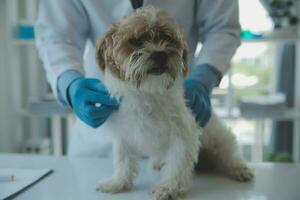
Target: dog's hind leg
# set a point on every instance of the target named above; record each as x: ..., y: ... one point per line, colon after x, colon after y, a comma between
x: 219, y: 149
x: 125, y: 169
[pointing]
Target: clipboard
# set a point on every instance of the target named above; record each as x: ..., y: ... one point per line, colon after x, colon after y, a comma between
x: 24, y: 179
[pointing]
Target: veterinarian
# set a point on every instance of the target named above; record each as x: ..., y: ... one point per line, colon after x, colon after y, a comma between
x: 67, y: 31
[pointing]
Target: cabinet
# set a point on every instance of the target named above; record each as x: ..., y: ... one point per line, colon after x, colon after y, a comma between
x: 37, y: 118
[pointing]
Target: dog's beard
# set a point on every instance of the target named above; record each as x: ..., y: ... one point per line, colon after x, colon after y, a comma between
x: 138, y: 65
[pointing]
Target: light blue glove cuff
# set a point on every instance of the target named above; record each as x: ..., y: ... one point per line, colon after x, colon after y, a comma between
x: 208, y: 75
x: 64, y: 81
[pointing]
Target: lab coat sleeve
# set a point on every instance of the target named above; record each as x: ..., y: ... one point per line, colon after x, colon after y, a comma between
x: 206, y: 74
x: 61, y: 34
x: 219, y: 29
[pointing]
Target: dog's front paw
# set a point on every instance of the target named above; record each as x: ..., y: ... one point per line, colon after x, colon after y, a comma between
x: 166, y: 193
x: 114, y: 186
x: 241, y: 173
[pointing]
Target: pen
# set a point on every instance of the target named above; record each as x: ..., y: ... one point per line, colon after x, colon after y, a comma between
x: 7, y: 178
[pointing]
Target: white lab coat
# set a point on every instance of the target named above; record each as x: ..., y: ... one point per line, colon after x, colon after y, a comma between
x: 64, y: 27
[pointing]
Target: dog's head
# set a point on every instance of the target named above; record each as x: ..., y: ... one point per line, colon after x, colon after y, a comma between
x: 144, y: 48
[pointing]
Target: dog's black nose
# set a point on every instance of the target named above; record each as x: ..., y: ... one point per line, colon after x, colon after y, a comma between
x: 159, y: 57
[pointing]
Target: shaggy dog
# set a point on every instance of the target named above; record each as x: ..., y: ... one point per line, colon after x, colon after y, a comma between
x: 144, y: 61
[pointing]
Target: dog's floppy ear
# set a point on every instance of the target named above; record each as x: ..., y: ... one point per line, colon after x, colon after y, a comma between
x: 104, y: 47
x: 185, y: 57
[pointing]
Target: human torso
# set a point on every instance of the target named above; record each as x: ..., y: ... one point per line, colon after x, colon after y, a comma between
x: 102, y: 14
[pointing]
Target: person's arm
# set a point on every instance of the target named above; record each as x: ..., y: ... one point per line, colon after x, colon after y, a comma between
x: 219, y: 33
x: 61, y: 34
x: 219, y: 29
x: 62, y: 30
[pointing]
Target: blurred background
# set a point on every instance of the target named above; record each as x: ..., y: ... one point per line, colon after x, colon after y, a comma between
x: 258, y: 98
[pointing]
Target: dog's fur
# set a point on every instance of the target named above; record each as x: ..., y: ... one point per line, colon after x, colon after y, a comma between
x: 153, y: 118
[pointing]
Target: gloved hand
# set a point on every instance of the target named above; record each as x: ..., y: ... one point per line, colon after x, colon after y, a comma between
x: 198, y: 100
x: 84, y: 95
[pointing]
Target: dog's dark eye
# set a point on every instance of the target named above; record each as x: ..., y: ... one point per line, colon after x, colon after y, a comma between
x: 136, y: 42
x: 168, y: 38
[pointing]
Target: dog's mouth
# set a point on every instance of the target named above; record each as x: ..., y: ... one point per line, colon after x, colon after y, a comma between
x: 158, y: 70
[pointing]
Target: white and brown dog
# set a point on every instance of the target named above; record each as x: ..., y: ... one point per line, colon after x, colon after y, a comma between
x: 144, y: 61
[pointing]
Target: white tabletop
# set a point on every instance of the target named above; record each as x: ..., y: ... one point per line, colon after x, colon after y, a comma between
x: 75, y: 179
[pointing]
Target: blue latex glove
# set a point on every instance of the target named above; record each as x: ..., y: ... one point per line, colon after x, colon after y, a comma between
x: 198, y: 100
x: 84, y: 94
x: 198, y: 88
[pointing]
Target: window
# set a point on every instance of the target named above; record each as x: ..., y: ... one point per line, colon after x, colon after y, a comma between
x: 251, y: 74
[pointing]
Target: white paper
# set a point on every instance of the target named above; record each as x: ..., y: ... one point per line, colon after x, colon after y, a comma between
x: 23, y: 179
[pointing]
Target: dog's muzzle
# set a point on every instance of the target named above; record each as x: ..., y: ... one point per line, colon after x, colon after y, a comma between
x: 160, y: 66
